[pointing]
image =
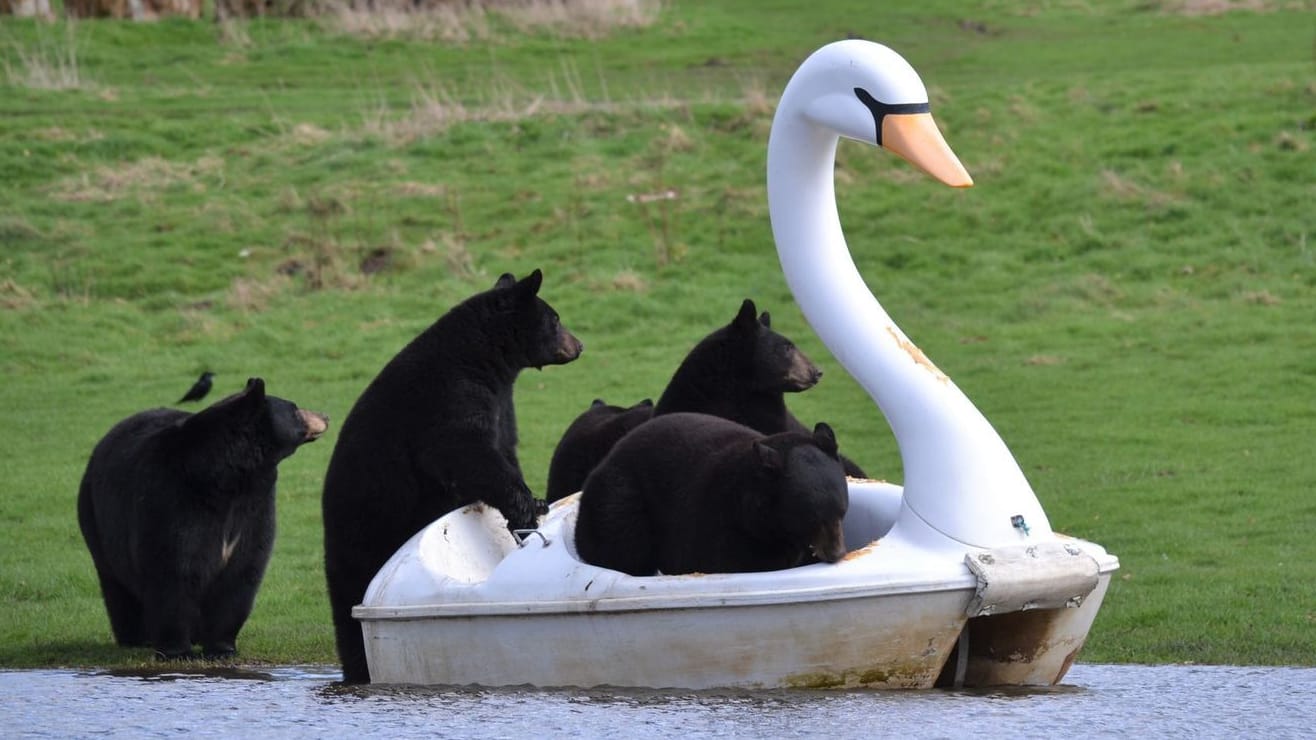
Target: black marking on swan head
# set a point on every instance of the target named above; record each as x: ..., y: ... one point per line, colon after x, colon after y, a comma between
x: 881, y: 110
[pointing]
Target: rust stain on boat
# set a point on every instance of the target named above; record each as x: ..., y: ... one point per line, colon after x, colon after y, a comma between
x: 861, y: 551
x: 1067, y: 664
x: 1013, y: 637
x: 1020, y: 648
x: 917, y: 674
x: 916, y: 354
x: 907, y: 657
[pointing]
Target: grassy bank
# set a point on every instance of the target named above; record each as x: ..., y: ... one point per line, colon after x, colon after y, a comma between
x: 1127, y: 293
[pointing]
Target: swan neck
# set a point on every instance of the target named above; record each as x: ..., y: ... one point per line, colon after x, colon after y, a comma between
x: 958, y: 471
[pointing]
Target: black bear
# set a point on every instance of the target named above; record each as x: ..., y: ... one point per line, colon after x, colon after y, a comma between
x: 742, y: 372
x: 587, y: 440
x: 434, y: 431
x: 693, y: 493
x: 177, y: 509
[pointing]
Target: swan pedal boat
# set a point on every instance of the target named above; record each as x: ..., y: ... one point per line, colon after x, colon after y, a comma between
x: 954, y: 578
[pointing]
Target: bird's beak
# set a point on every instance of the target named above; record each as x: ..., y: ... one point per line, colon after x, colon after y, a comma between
x: 916, y: 138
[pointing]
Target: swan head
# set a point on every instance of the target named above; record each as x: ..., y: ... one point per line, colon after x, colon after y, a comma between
x: 864, y: 91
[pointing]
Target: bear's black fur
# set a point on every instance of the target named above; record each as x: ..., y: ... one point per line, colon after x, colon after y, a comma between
x: 587, y: 440
x: 435, y: 430
x: 178, y: 512
x: 692, y: 493
x: 740, y: 372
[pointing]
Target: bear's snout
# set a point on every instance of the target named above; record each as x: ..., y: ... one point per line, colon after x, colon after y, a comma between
x: 569, y: 348
x: 315, y: 422
x: 803, y: 374
x: 829, y: 544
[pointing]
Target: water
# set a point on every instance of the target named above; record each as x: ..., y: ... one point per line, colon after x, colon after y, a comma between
x: 1095, y: 701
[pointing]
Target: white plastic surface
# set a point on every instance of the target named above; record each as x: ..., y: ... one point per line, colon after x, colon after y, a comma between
x: 960, y: 479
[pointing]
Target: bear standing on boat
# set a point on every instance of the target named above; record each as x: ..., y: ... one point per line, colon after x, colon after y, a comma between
x: 178, y: 512
x: 693, y: 493
x: 435, y: 430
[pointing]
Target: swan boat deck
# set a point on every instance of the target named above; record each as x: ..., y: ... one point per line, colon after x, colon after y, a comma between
x: 953, y: 578
x: 465, y: 603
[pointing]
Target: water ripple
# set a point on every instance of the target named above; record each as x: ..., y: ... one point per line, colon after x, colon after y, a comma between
x: 1096, y: 701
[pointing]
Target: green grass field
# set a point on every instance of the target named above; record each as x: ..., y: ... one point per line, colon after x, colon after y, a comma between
x: 1128, y: 292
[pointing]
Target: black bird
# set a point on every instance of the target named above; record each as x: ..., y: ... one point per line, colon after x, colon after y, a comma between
x: 199, y: 389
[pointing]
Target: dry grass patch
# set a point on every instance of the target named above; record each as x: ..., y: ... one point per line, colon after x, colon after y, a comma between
x: 592, y: 173
x: 233, y: 33
x: 1217, y: 7
x: 421, y: 190
x: 52, y: 64
x: 628, y: 281
x: 198, y: 324
x: 1121, y: 188
x: 145, y: 176
x: 1099, y: 289
x: 1169, y: 7
x: 675, y: 139
x: 451, y: 248
x: 461, y: 21
x: 1044, y: 360
x: 434, y: 21
x: 1260, y: 298
x: 15, y: 297
x: 434, y: 109
x: 322, y: 264
x: 308, y: 134
x: 431, y: 113
x: 577, y: 18
x: 61, y: 134
x: 1289, y: 141
x: 250, y: 295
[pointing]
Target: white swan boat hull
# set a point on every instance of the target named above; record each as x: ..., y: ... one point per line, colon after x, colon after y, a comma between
x: 462, y: 604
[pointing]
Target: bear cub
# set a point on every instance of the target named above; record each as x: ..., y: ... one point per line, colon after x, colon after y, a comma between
x: 693, y: 493
x: 177, y: 509
x: 740, y: 371
x: 587, y: 440
x: 434, y: 431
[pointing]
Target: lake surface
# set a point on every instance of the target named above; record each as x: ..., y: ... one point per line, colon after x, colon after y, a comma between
x: 1095, y: 701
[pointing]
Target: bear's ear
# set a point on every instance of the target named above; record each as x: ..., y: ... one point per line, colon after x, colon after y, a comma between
x: 255, y: 390
x: 597, y: 403
x: 745, y: 320
x: 765, y: 319
x: 825, y: 438
x: 646, y: 403
x: 506, y: 280
x: 769, y: 457
x: 529, y: 286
